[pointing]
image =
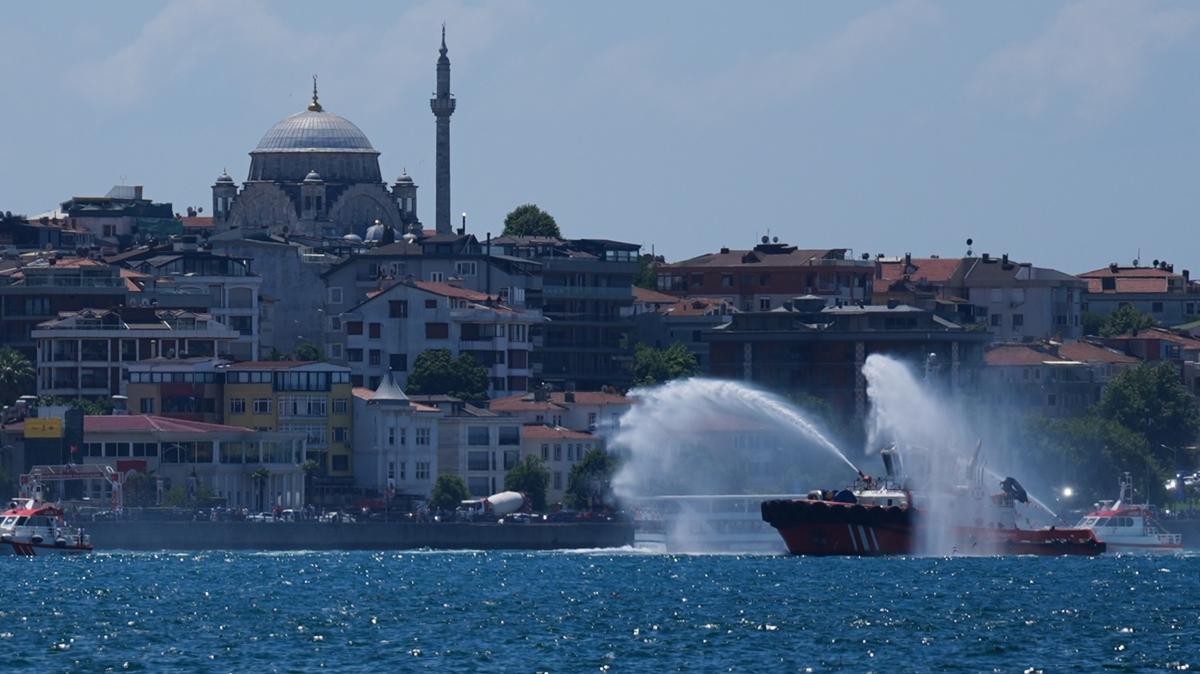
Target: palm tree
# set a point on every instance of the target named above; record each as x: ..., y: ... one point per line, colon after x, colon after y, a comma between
x: 260, y: 479
x: 17, y: 375
x: 310, y: 469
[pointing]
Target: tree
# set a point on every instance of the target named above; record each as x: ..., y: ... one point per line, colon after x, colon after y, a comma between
x: 1150, y: 400
x: 449, y: 491
x: 1089, y: 453
x: 17, y: 375
x: 260, y: 477
x: 531, y: 477
x: 529, y: 220
x: 1092, y: 323
x: 1125, y: 320
x: 657, y: 366
x: 308, y: 351
x: 589, y: 484
x: 438, y: 372
x: 647, y: 274
x: 310, y: 468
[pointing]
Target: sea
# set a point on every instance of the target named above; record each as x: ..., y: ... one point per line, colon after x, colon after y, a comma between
x: 596, y: 611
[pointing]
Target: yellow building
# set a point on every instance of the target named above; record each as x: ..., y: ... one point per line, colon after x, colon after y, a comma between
x: 298, y: 396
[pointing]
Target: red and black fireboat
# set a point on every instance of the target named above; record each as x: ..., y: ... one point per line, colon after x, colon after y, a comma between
x: 882, y: 517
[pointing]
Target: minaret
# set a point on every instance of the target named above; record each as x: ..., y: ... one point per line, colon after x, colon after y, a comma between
x: 442, y: 105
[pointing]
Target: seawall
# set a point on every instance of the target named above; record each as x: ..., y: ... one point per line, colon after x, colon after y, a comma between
x: 356, y: 536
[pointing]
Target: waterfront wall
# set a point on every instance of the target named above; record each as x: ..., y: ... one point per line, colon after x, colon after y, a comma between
x: 357, y: 536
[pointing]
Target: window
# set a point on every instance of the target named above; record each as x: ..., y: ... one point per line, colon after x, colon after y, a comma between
x: 591, y: 421
x: 477, y: 435
x: 1108, y: 283
x: 354, y: 355
x: 403, y: 436
x: 1156, y: 307
x: 558, y: 452
x: 431, y: 304
x: 479, y: 486
x: 262, y: 405
x: 335, y: 295
x: 335, y: 351
x: 546, y: 451
x: 1018, y: 320
x: 726, y: 280
x: 237, y: 405
x: 995, y: 320
x: 478, y: 461
x: 374, y: 330
x: 511, y: 458
x: 354, y: 327
x: 764, y: 304
x: 437, y: 276
x: 422, y: 470
x: 391, y: 436
x: 464, y: 268
x: 557, y: 480
x: 335, y: 323
x: 340, y: 405
x: 510, y: 435
x: 437, y: 331
x: 391, y: 470
x: 423, y: 436
x: 398, y: 309
x: 341, y: 462
x: 147, y: 405
x: 340, y: 434
x: 398, y: 362
x: 375, y: 357
x: 403, y: 470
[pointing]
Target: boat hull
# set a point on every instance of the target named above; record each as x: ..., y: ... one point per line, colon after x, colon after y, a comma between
x: 813, y: 527
x: 28, y: 549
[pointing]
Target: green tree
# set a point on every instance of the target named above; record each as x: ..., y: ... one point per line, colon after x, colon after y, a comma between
x: 17, y: 376
x: 529, y: 220
x: 531, y: 477
x: 308, y: 351
x: 647, y: 274
x: 260, y: 477
x: 311, y: 469
x: 1089, y: 453
x: 448, y: 492
x: 657, y: 366
x: 438, y: 372
x: 1092, y: 323
x: 1126, y: 319
x: 589, y: 485
x: 1150, y: 400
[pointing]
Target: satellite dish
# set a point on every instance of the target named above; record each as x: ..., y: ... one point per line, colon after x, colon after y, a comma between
x: 970, y: 242
x: 766, y: 239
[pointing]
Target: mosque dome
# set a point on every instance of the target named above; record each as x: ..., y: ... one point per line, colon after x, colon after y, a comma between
x: 224, y: 179
x: 404, y: 179
x: 314, y: 131
x: 375, y: 232
x: 313, y: 177
x: 352, y: 238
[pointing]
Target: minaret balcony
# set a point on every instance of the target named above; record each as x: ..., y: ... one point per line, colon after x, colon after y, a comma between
x: 442, y: 107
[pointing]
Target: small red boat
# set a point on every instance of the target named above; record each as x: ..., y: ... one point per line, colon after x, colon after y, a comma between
x: 32, y: 528
x: 1126, y: 526
x: 880, y: 518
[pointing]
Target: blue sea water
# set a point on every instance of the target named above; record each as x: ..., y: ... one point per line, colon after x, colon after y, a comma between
x: 596, y: 612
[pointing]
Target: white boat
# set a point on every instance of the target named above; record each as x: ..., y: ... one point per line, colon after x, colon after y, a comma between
x: 709, y: 523
x: 1129, y: 527
x: 31, y: 528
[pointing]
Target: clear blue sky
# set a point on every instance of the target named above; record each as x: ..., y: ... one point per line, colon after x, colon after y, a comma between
x: 1067, y: 134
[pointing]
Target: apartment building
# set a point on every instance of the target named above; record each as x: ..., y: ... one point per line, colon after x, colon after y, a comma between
x: 559, y: 449
x: 191, y: 389
x: 41, y: 289
x: 1171, y: 298
x: 474, y: 443
x: 395, y: 443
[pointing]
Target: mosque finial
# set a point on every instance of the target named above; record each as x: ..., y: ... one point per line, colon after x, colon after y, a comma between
x: 443, y: 49
x: 315, y: 106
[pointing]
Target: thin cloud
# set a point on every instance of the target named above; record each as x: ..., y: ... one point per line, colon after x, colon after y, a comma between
x: 1090, y: 58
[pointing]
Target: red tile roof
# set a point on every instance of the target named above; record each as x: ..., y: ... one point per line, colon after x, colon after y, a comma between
x: 1160, y: 334
x: 525, y: 402
x: 1013, y: 355
x: 1134, y: 280
x: 700, y: 306
x: 367, y: 394
x: 1091, y: 353
x: 145, y: 423
x: 271, y: 364
x: 648, y: 296
x: 927, y: 269
x: 197, y: 222
x: 788, y: 257
x: 542, y: 432
x: 447, y: 290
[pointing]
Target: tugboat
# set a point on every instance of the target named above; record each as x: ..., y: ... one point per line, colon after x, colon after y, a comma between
x: 1130, y: 527
x: 882, y: 517
x: 35, y: 528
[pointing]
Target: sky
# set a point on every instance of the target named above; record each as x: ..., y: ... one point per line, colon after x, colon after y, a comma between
x: 1065, y: 134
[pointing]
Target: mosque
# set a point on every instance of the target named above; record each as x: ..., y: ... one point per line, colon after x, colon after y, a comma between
x: 315, y: 173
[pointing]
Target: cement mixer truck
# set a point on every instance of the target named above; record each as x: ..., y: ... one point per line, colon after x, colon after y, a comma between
x: 493, y: 507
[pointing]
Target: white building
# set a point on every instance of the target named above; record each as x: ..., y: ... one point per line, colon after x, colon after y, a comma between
x: 559, y: 449
x: 386, y: 333
x: 395, y: 442
x: 591, y: 411
x: 477, y: 445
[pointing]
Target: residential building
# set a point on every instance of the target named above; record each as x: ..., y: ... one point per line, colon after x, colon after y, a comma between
x: 478, y: 445
x: 35, y: 291
x: 195, y: 455
x: 42, y: 234
x: 806, y: 346
x: 1051, y: 379
x: 310, y: 398
x: 663, y: 320
x: 1171, y: 298
x: 388, y: 331
x: 87, y: 353
x: 559, y: 450
x: 191, y: 389
x: 181, y: 275
x: 764, y: 277
x: 587, y: 288
x: 589, y: 411
x: 395, y: 443
x: 122, y: 217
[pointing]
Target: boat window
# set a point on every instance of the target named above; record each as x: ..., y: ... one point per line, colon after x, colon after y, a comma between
x: 1102, y: 522
x: 8, y: 521
x: 21, y: 520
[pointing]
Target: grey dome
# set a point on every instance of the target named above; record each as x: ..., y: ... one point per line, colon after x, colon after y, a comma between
x: 314, y: 130
x: 313, y: 177
x: 224, y: 178
x: 404, y: 179
x: 375, y: 232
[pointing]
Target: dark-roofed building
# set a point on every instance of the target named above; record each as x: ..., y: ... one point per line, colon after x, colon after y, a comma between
x: 762, y: 278
x: 1171, y: 298
x: 664, y: 319
x: 807, y: 347
x: 122, y: 217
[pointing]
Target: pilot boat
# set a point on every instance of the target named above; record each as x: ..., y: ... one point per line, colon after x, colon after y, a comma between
x: 32, y: 527
x: 1130, y: 527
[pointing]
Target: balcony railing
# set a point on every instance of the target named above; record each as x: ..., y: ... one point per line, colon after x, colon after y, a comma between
x: 593, y: 292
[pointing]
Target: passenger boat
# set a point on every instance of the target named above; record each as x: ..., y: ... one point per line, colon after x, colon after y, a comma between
x: 883, y: 517
x: 33, y: 527
x: 1130, y: 527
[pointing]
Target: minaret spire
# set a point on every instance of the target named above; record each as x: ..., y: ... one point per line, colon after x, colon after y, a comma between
x: 315, y: 106
x: 442, y: 104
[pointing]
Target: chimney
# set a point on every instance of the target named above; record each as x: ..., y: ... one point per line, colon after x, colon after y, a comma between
x: 1187, y: 275
x: 724, y: 249
x: 137, y: 191
x: 987, y: 258
x: 569, y: 396
x: 541, y: 394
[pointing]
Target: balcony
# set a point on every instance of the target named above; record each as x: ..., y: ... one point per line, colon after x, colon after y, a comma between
x: 588, y: 292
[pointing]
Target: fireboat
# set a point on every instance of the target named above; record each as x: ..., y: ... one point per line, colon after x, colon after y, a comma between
x: 881, y: 516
